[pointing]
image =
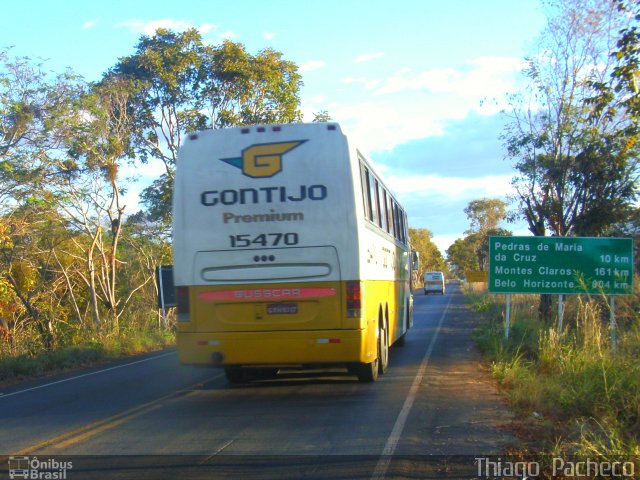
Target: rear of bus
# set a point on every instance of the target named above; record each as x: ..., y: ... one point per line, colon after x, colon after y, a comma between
x: 266, y: 249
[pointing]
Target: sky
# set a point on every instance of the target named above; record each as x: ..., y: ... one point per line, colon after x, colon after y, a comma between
x: 419, y: 84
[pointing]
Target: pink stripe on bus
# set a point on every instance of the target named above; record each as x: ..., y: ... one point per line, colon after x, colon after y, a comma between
x: 268, y: 294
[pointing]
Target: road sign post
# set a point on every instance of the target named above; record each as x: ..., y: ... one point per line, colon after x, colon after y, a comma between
x: 560, y: 312
x: 507, y: 317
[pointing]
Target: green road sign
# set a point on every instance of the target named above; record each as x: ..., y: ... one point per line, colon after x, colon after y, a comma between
x: 561, y: 265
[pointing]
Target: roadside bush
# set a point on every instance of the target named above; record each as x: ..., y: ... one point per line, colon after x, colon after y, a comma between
x: 89, y: 350
x: 572, y: 378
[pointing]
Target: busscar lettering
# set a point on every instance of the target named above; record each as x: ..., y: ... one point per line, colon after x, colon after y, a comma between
x: 267, y: 293
x: 254, y: 196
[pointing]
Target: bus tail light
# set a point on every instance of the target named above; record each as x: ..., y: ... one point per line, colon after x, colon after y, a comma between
x: 354, y: 299
x: 182, y: 299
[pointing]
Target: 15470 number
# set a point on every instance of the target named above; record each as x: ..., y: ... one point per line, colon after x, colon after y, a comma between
x: 264, y: 240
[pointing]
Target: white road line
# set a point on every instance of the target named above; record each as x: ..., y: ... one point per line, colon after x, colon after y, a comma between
x: 7, y: 395
x: 394, y: 437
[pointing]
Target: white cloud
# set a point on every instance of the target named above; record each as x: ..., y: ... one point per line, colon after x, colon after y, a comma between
x: 312, y: 106
x: 443, y: 242
x: 311, y: 65
x: 410, y: 105
x: 382, y: 125
x: 437, y: 202
x: 485, y: 76
x: 367, y: 57
x: 268, y: 35
x: 365, y: 82
x: 228, y: 35
x: 89, y: 24
x: 150, y: 27
x: 207, y: 27
x: 454, y: 188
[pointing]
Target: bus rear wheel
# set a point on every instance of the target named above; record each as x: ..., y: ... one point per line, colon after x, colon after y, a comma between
x: 369, y: 372
x: 383, y: 350
x: 235, y: 375
x: 400, y: 342
x: 366, y: 372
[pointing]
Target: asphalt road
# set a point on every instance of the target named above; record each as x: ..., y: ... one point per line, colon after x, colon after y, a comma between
x: 431, y: 415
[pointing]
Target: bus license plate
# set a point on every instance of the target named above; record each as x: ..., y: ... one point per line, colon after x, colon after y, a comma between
x: 282, y: 308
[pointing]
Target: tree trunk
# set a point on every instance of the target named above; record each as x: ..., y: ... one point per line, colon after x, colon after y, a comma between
x: 544, y: 308
x: 92, y: 281
x: 42, y: 324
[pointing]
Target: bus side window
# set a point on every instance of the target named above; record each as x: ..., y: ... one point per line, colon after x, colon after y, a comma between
x: 404, y: 227
x: 392, y: 227
x: 378, y: 208
x: 366, y: 192
x: 394, y: 218
x: 403, y: 237
x: 372, y: 201
x: 385, y: 208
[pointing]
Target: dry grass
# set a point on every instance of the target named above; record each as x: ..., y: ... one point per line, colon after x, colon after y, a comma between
x: 587, y: 394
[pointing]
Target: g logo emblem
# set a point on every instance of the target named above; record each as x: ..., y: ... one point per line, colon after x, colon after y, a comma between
x: 262, y: 160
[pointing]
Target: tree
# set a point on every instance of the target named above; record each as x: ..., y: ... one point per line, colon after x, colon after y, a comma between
x: 471, y: 252
x: 484, y: 215
x: 321, y: 116
x: 576, y: 174
x: 622, y: 93
x: 184, y: 85
x: 238, y: 88
x: 102, y: 140
x: 31, y: 103
x: 68, y: 265
x: 273, y: 95
x: 430, y: 257
x: 166, y: 69
x: 462, y: 257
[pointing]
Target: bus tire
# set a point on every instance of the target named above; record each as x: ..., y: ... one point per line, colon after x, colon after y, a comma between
x: 367, y: 372
x: 383, y: 348
x: 235, y: 375
x: 401, y: 342
x: 265, y: 373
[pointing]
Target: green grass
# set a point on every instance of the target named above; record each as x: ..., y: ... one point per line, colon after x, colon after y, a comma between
x: 584, y: 395
x: 88, y: 352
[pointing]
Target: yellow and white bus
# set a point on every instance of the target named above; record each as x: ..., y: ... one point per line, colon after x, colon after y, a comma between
x: 289, y: 251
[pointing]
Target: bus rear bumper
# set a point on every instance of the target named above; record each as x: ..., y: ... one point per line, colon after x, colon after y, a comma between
x: 322, y: 347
